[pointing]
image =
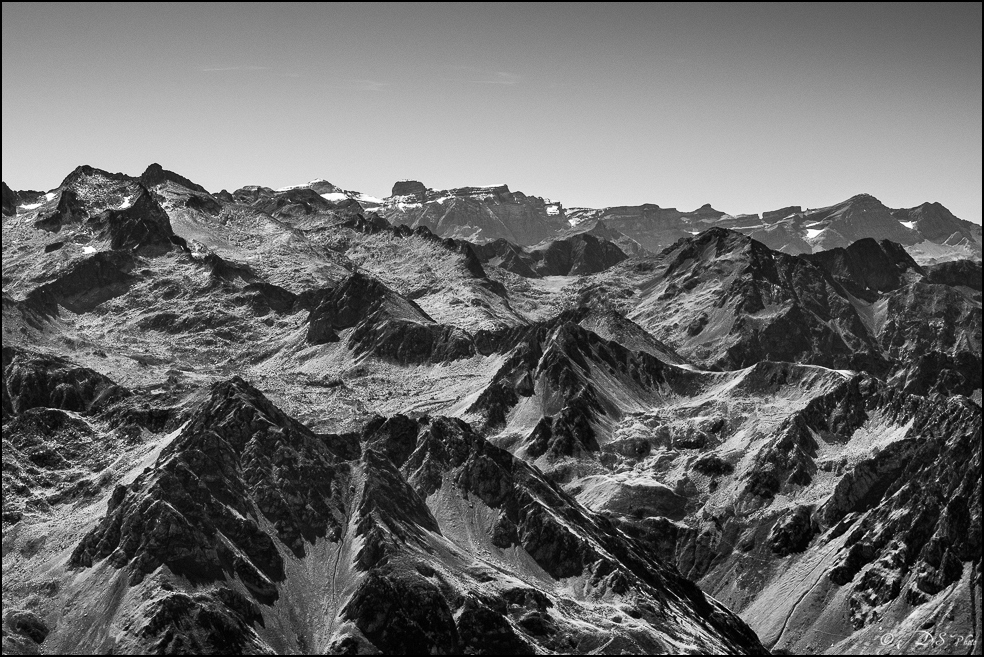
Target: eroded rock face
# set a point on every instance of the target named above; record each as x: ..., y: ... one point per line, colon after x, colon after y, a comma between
x: 867, y: 267
x: 155, y: 175
x: 409, y: 188
x: 243, y: 488
x: 533, y: 514
x: 965, y: 273
x: 9, y: 200
x: 69, y: 210
x: 386, y: 324
x: 855, y: 308
x: 35, y: 380
x: 86, y: 283
x: 144, y: 226
x: 229, y: 465
x: 478, y: 214
x: 577, y: 255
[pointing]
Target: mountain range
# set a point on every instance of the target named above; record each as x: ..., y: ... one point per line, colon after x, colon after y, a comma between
x: 475, y: 421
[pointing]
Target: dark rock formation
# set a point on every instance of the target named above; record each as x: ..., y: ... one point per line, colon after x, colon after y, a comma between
x: 477, y: 214
x: 81, y: 173
x: 206, y: 204
x: 33, y: 380
x: 577, y: 255
x: 868, y: 267
x: 410, y: 188
x: 238, y: 457
x: 386, y: 324
x: 69, y: 210
x: 144, y: 226
x: 937, y: 224
x: 9, y: 201
x: 771, y: 216
x: 155, y: 175
x: 26, y: 622
x: 956, y: 273
x: 86, y: 283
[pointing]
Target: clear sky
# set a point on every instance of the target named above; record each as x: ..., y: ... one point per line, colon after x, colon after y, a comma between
x: 746, y: 107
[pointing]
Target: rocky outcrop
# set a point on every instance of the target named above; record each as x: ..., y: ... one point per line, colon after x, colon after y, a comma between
x: 294, y: 202
x: 476, y: 214
x: 9, y: 201
x: 206, y: 204
x: 144, y: 226
x: 767, y: 306
x: 155, y: 175
x: 772, y: 216
x: 237, y: 460
x: 86, y: 283
x: 81, y: 175
x: 68, y: 211
x: 933, y: 335
x: 559, y: 363
x: 937, y: 224
x: 957, y: 273
x: 386, y: 325
x: 36, y: 380
x: 412, y: 188
x: 868, y: 267
x: 859, y: 217
x: 868, y: 307
x: 577, y: 255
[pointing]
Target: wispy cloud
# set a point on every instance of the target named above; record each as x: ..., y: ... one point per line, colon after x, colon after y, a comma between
x: 474, y: 75
x: 370, y: 85
x: 223, y: 69
x: 501, y: 77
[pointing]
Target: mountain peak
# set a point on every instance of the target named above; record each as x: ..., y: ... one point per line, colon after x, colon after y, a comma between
x: 155, y: 175
x: 863, y: 199
x: 409, y: 188
x: 86, y: 171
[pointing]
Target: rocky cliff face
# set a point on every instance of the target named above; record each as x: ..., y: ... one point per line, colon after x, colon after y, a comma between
x: 478, y: 214
x: 580, y: 254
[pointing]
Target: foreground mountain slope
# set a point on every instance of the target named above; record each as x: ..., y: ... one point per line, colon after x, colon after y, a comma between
x: 250, y: 533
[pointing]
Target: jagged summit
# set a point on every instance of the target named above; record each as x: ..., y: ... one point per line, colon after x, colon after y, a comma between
x: 155, y: 175
x: 85, y: 171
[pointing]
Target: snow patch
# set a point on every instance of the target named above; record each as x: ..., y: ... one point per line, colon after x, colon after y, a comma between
x: 911, y: 225
x: 813, y: 232
x: 49, y: 196
x: 32, y: 206
x: 334, y: 197
x: 88, y: 249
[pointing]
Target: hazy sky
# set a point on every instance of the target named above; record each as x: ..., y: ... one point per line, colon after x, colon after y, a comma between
x: 746, y: 107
